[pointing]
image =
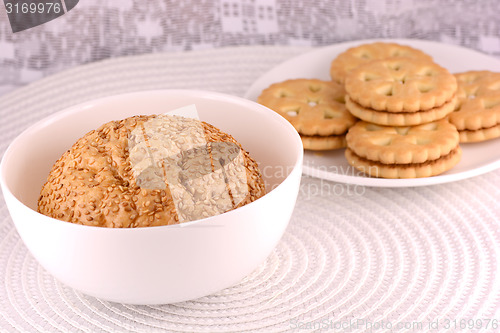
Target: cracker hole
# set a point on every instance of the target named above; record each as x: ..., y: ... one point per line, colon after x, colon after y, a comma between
x: 429, y: 72
x: 424, y: 89
x: 429, y: 127
x: 385, y: 90
x: 489, y: 104
x: 283, y: 94
x: 329, y: 114
x: 365, y: 55
x: 402, y: 130
x: 382, y: 141
x: 373, y: 128
x: 292, y: 113
x: 312, y: 103
x: 340, y: 99
x: 314, y: 88
x: 394, y: 66
x: 370, y: 77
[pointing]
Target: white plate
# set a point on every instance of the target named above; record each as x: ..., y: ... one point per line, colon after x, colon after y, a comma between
x: 477, y: 158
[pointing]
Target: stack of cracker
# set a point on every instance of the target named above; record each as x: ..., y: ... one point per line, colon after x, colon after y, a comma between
x: 413, y: 113
x: 402, y: 101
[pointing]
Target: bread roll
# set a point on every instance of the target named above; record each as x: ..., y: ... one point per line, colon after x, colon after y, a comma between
x: 149, y: 171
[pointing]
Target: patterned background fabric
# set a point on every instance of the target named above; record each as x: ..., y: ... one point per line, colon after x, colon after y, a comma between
x: 99, y: 29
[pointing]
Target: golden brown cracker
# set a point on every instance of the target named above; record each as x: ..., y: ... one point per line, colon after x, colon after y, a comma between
x: 477, y: 114
x: 412, y: 170
x: 359, y: 55
x: 400, y: 118
x: 402, y: 145
x: 400, y: 85
x: 313, y: 107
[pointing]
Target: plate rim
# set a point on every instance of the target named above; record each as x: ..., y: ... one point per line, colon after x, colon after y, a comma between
x: 372, y: 181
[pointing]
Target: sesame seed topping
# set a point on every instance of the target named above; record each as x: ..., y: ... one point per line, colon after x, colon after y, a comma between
x: 95, y: 178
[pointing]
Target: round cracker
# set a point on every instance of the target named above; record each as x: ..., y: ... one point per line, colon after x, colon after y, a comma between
x: 313, y: 107
x: 480, y: 135
x: 359, y: 55
x: 400, y: 85
x: 418, y: 170
x: 477, y: 114
x: 400, y: 118
x: 402, y: 145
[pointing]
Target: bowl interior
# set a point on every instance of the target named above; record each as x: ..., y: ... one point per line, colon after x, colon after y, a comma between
x: 268, y: 137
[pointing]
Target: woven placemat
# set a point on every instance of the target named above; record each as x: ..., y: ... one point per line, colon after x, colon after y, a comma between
x: 352, y: 259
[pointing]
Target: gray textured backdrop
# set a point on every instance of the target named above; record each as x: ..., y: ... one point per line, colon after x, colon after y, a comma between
x: 98, y: 29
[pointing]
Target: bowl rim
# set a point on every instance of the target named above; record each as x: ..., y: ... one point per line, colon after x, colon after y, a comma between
x: 67, y: 111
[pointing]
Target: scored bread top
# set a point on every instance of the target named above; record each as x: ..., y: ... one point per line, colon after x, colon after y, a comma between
x: 97, y: 181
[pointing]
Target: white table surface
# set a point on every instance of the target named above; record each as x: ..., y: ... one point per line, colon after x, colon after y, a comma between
x: 351, y: 258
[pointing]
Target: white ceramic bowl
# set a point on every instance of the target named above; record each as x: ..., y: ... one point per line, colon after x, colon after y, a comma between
x: 164, y: 264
